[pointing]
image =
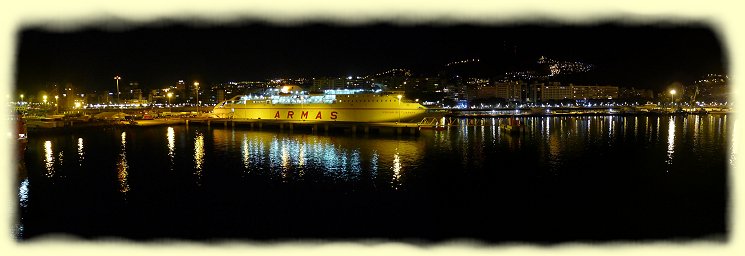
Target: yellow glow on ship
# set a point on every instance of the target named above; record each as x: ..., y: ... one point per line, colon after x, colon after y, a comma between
x: 334, y: 105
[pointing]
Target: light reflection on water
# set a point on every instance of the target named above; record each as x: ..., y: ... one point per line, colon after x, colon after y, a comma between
x: 122, y: 166
x: 244, y: 151
x: 171, y: 139
x: 548, y: 143
x: 670, y: 140
x: 292, y: 156
x: 49, y: 159
x: 198, y: 156
x: 396, y: 171
x: 23, y: 193
x: 81, y: 156
x: 23, y: 203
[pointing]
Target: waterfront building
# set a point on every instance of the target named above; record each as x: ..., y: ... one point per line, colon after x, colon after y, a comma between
x: 594, y: 92
x: 552, y: 91
x: 509, y: 90
x: 483, y: 92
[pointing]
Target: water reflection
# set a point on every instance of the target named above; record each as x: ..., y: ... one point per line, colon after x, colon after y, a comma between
x: 48, y: 159
x: 374, y: 163
x: 285, y: 155
x: 23, y: 203
x: 23, y: 193
x: 60, y: 157
x: 122, y: 166
x: 396, y: 171
x: 292, y: 157
x: 81, y: 156
x: 301, y: 155
x: 670, y: 141
x: 171, y: 138
x: 245, y: 153
x: 199, y: 156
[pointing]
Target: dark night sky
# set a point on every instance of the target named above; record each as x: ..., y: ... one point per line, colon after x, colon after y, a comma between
x: 157, y: 55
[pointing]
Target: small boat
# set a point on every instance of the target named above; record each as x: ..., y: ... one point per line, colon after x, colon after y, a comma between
x: 512, y: 126
x: 21, y: 130
x: 41, y: 122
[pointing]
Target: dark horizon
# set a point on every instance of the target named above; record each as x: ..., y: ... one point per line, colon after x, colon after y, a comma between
x: 159, y: 54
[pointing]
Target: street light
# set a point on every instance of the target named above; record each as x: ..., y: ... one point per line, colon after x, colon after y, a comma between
x: 169, y: 101
x: 56, y: 105
x: 117, y: 78
x: 21, y: 99
x: 45, y: 99
x: 672, y: 97
x: 196, y: 84
x: 399, y: 108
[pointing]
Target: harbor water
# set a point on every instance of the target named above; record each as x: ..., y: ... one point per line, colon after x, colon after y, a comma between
x: 582, y: 178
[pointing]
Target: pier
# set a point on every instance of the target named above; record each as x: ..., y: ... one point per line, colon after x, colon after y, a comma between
x: 399, y: 128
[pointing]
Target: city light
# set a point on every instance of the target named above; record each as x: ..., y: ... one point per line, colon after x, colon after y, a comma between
x: 169, y: 101
x: 399, y: 108
x: 117, y: 78
x: 196, y: 85
x: 672, y: 96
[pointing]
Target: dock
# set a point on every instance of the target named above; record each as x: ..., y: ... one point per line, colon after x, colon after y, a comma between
x: 400, y: 128
x: 312, y: 126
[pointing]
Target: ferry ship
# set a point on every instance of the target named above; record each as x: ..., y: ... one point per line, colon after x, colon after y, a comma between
x: 290, y: 103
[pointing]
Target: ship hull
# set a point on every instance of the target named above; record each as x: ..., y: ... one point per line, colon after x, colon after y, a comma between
x: 408, y: 112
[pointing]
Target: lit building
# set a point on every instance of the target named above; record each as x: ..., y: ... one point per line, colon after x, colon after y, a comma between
x: 509, y: 90
x: 553, y: 91
x: 482, y: 92
x: 582, y: 92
